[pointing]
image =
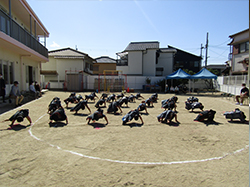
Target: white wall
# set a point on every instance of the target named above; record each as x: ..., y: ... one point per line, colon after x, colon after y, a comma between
x: 149, y: 66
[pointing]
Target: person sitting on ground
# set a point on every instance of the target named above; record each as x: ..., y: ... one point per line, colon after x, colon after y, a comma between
x: 80, y: 105
x: 133, y: 114
x: 19, y: 116
x: 149, y: 102
x: 167, y: 116
x: 33, y: 90
x: 100, y: 102
x: 38, y: 88
x: 111, y: 98
x: 113, y: 107
x: 244, y: 93
x: 193, y: 105
x: 15, y: 93
x: 58, y: 115
x: 172, y: 89
x: 236, y: 114
x: 96, y: 116
x: 207, y: 114
x: 91, y: 96
x: 71, y: 99
x: 142, y: 107
x: 138, y: 95
x: 176, y: 89
x: 54, y: 104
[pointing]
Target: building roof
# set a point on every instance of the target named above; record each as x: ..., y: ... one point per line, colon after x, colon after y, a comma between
x: 105, y: 59
x: 141, y: 46
x: 184, y: 51
x: 239, y: 37
x: 216, y: 66
x: 67, y: 53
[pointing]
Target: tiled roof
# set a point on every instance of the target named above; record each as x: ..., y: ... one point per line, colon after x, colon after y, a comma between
x: 67, y: 53
x: 105, y: 59
x: 141, y: 46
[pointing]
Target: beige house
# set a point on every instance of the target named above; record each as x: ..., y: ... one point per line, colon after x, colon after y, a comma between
x: 21, y: 52
x: 66, y: 69
x: 104, y: 63
x: 239, y: 52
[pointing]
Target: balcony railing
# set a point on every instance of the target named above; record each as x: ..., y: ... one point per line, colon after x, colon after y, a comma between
x: 14, y: 30
x: 122, y: 63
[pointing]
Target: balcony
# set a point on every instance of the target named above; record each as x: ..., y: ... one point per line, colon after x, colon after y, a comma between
x: 14, y: 30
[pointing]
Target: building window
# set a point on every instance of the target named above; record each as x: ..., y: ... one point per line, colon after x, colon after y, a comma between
x: 159, y: 71
x: 244, y: 47
x: 196, y: 64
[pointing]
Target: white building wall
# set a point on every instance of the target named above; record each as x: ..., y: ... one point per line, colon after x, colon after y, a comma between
x: 135, y: 63
x: 149, y: 63
x: 165, y: 60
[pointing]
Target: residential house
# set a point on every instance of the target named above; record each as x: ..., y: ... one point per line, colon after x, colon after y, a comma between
x: 186, y: 60
x: 104, y: 63
x: 21, y: 52
x: 66, y: 69
x: 239, y: 52
x: 146, y: 59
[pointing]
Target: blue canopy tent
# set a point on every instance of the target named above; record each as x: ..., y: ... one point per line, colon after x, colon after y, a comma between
x: 179, y: 74
x: 203, y: 74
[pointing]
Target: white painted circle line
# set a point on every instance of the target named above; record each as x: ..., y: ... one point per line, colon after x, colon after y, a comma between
x: 131, y: 162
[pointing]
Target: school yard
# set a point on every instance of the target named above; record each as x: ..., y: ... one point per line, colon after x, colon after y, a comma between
x: 152, y: 154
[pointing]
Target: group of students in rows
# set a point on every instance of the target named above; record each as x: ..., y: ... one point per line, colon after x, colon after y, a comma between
x: 57, y: 113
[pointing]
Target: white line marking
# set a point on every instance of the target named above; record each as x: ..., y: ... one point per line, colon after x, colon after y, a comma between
x: 131, y: 162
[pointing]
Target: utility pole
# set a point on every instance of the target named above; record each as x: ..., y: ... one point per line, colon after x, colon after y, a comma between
x: 206, y: 51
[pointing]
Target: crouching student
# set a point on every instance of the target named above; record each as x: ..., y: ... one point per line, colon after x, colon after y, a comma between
x: 54, y: 104
x: 96, y: 116
x: 236, y: 114
x: 142, y: 107
x: 113, y: 107
x: 19, y: 116
x: 80, y: 105
x: 167, y: 116
x: 133, y: 114
x: 207, y: 114
x: 100, y: 102
x: 58, y: 115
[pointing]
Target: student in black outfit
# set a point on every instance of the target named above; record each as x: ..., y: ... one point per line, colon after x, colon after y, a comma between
x: 244, y: 93
x: 19, y: 116
x: 96, y: 116
x: 80, y: 105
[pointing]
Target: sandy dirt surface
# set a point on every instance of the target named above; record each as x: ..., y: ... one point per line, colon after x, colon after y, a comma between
x: 152, y: 154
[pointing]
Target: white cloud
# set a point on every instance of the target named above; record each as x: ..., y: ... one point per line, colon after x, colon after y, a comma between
x: 54, y: 45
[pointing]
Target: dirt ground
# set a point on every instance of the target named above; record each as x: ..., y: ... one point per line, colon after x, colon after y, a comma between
x: 152, y: 154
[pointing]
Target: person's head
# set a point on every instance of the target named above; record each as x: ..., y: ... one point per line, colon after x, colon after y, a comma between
x: 15, y: 83
x: 19, y: 118
x: 243, y: 85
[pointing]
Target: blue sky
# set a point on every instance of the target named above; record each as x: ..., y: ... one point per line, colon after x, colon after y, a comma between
x: 105, y: 27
